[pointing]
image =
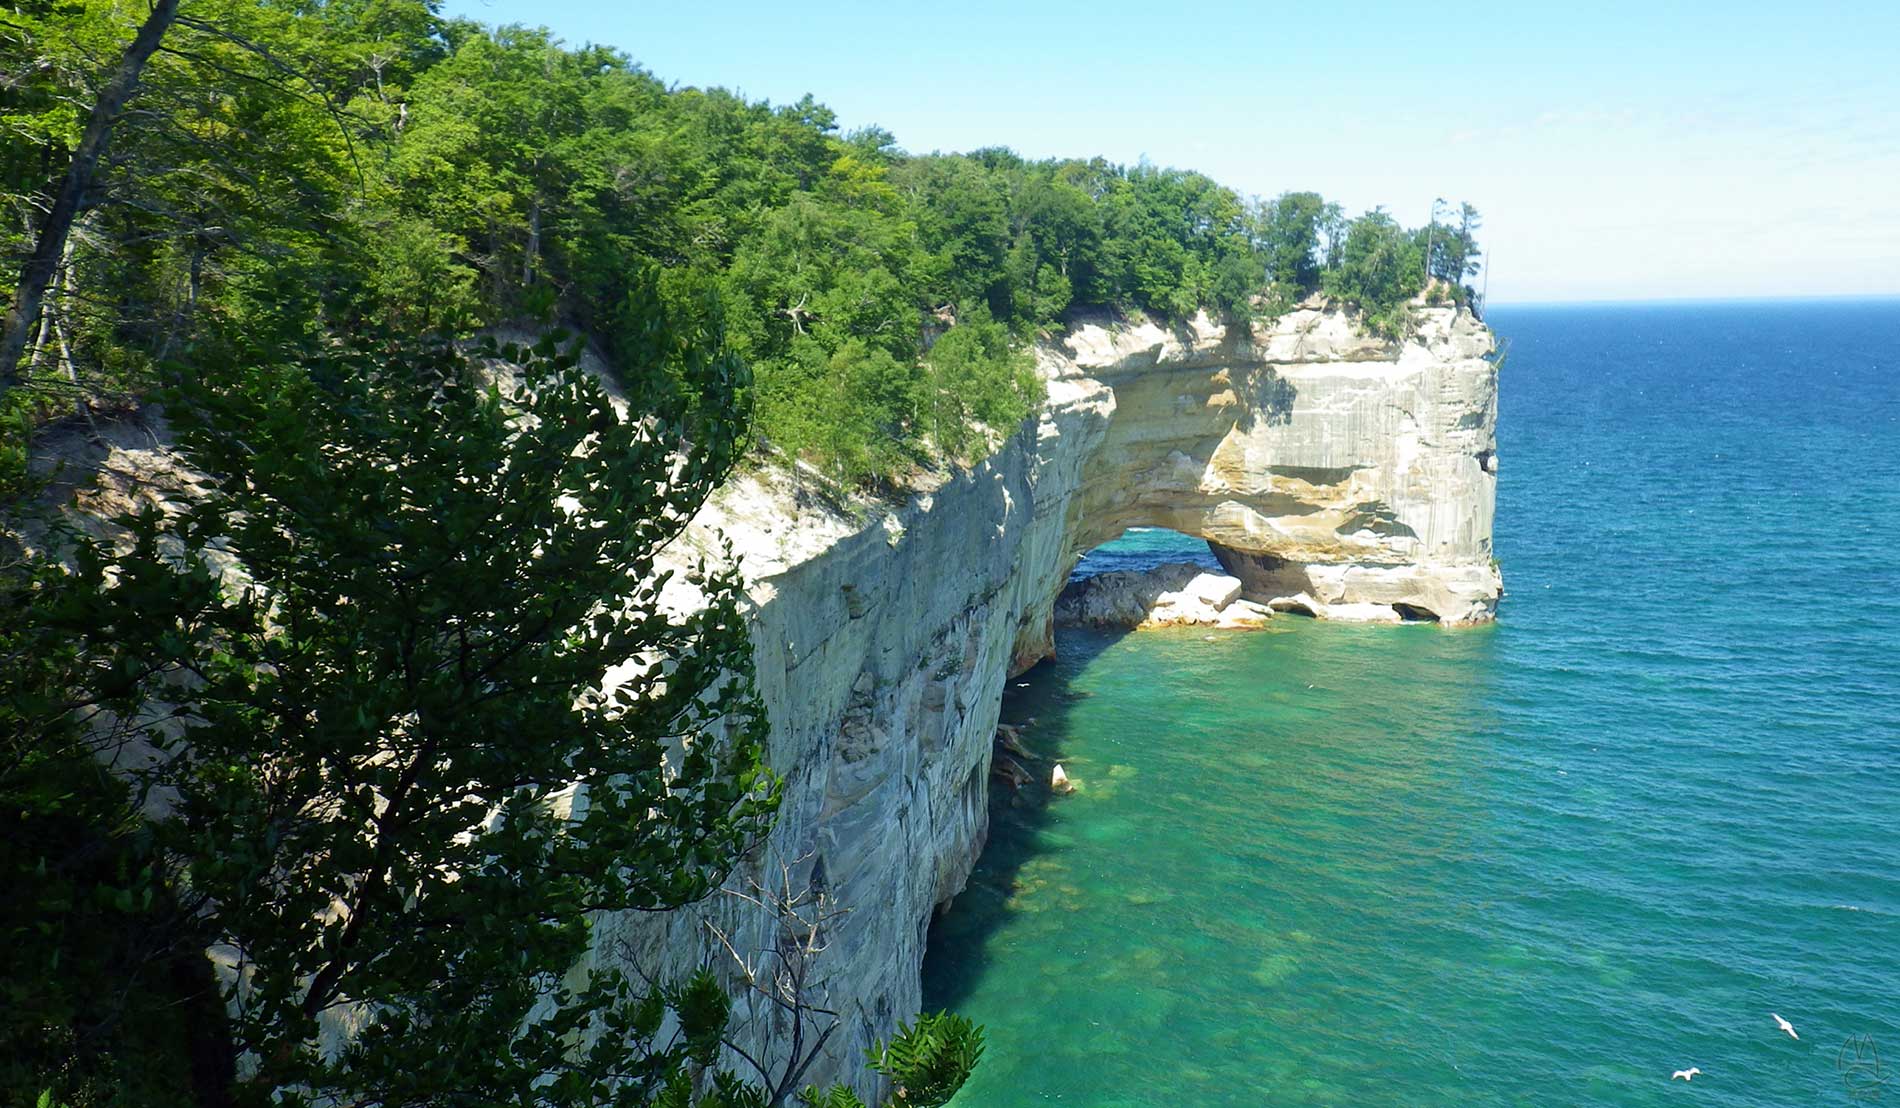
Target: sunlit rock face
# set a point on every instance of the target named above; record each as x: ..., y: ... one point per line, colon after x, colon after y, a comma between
x: 1315, y: 459
x: 1339, y: 475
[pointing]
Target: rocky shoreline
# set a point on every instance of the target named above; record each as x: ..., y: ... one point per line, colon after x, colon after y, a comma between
x: 1169, y: 595
x: 1179, y: 594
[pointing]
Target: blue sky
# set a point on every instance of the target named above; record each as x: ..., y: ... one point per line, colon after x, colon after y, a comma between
x: 1617, y: 151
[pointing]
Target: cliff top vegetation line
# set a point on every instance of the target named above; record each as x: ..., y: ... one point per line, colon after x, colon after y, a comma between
x: 295, y: 172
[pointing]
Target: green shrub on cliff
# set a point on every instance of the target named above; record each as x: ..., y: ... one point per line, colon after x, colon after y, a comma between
x: 976, y: 380
x: 926, y: 1062
x: 1381, y: 268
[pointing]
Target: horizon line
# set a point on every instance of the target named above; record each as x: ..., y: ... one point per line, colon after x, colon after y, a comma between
x: 1780, y: 298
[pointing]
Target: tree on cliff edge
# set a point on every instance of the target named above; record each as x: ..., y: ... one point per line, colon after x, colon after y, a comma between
x: 394, y: 778
x: 395, y: 781
x: 70, y: 197
x: 404, y: 701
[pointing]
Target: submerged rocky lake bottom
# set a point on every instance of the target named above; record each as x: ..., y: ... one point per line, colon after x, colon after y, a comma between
x: 1548, y: 861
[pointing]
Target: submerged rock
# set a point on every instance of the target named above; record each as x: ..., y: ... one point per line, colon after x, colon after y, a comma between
x: 1244, y: 615
x: 1010, y: 772
x: 1010, y: 738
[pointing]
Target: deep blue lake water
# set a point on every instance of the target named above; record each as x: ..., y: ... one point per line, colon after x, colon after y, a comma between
x: 1545, y: 862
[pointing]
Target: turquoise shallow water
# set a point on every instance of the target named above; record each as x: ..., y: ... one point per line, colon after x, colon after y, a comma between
x: 1545, y: 862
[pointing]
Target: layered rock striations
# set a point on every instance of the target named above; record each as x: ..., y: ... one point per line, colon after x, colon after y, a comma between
x: 1315, y: 459
x: 1335, y: 474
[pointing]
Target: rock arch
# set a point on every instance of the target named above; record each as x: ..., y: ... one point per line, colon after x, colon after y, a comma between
x: 1317, y: 461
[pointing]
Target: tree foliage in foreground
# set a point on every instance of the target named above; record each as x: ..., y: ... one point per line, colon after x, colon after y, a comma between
x: 439, y: 722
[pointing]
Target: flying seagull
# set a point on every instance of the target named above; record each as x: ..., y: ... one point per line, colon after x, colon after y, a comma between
x: 1686, y: 1075
x: 1785, y: 1026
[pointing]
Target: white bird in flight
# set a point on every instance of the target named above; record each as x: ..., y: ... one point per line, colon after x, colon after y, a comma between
x: 1686, y: 1075
x: 1785, y: 1026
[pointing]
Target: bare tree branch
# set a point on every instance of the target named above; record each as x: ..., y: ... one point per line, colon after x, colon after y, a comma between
x: 801, y: 918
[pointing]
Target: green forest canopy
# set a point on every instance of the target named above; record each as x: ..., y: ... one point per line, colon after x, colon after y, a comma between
x: 299, y: 170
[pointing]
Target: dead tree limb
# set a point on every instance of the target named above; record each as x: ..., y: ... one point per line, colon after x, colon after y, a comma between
x: 784, y: 973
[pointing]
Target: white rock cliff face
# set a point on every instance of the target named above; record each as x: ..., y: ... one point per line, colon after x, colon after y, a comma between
x: 1315, y: 459
x: 1354, y: 476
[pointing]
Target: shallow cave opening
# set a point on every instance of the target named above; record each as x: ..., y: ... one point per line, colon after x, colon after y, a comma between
x: 1139, y: 549
x: 1120, y: 584
x: 1412, y: 613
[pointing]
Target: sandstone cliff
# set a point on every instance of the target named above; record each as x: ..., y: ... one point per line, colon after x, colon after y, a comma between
x: 1354, y: 475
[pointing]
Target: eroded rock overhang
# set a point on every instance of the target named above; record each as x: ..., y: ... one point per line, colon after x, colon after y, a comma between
x: 1321, y: 463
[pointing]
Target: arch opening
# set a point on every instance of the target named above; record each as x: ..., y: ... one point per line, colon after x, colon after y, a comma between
x: 1139, y: 549
x: 1153, y: 576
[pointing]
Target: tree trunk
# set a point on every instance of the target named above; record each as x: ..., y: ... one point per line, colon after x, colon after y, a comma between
x: 534, y: 242
x: 38, y: 272
x: 42, y: 343
x: 63, y: 298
